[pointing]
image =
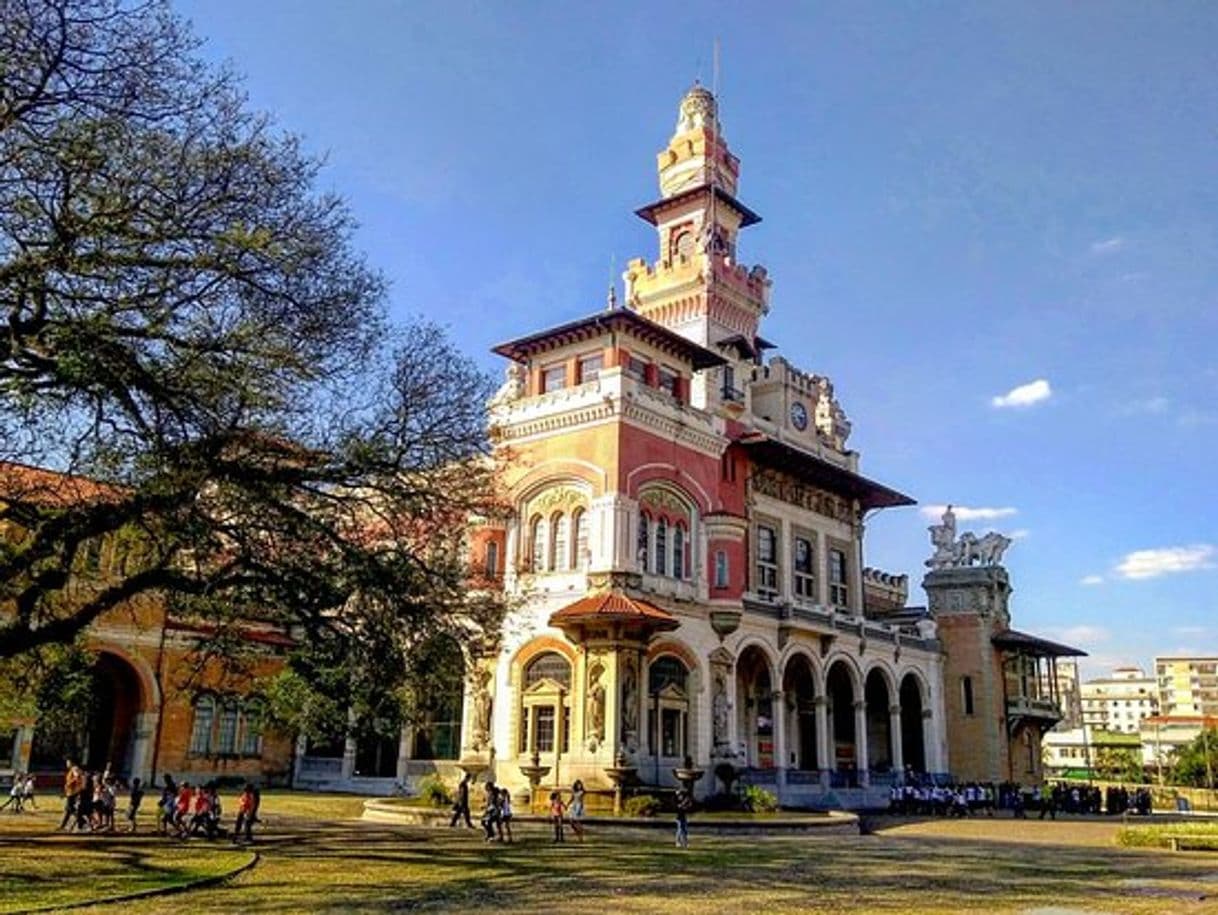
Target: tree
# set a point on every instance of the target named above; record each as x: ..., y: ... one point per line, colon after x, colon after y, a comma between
x: 190, y: 338
x: 1196, y: 763
x: 1121, y: 764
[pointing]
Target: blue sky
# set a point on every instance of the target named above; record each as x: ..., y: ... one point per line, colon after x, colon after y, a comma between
x: 960, y: 201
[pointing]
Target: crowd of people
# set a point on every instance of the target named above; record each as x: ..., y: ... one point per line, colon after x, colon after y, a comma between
x: 565, y: 811
x: 928, y: 798
x: 182, y: 810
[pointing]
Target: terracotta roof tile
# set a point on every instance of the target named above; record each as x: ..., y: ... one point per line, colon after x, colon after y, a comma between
x: 613, y: 605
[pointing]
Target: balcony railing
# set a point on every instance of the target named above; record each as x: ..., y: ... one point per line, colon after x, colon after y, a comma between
x: 1028, y: 707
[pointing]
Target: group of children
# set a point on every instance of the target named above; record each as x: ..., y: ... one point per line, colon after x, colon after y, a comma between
x: 563, y: 813
x: 90, y: 800
x: 21, y: 794
x: 186, y: 810
x: 182, y: 810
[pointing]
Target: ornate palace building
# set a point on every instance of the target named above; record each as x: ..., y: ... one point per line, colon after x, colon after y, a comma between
x: 685, y: 558
x: 687, y: 539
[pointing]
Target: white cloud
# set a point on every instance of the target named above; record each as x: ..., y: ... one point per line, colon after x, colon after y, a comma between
x: 1107, y: 245
x: 1189, y: 630
x: 1081, y: 633
x: 1166, y: 561
x: 965, y: 513
x: 1091, y: 580
x: 1020, y: 533
x: 1025, y: 395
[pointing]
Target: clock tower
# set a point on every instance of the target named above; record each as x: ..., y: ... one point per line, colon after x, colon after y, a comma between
x: 696, y: 287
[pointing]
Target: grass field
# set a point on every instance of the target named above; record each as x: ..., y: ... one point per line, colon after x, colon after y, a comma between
x: 315, y: 858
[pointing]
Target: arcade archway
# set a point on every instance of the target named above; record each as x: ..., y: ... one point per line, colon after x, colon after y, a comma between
x: 879, y: 724
x: 92, y: 715
x: 840, y: 691
x: 913, y: 744
x: 755, y: 701
x: 799, y: 693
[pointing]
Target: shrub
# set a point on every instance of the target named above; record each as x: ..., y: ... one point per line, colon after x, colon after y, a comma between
x: 641, y: 805
x: 1200, y: 835
x: 757, y: 800
x: 433, y: 792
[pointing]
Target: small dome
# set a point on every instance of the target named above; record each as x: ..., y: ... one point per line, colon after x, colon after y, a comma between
x: 698, y: 109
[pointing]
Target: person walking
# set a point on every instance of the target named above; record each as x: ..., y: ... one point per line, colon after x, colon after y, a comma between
x: 575, y: 813
x: 557, y: 811
x: 73, y: 785
x: 134, y: 798
x: 246, y: 807
x: 461, y: 805
x: 505, y: 813
x: 685, y: 804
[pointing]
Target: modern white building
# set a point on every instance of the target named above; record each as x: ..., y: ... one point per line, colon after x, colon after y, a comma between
x: 1119, y: 702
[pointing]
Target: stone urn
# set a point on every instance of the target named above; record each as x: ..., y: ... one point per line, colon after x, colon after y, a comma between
x: 688, y: 775
x: 473, y: 766
x: 728, y: 770
x: 534, y: 772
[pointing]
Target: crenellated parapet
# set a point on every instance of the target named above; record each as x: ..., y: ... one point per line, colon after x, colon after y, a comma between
x: 883, y: 591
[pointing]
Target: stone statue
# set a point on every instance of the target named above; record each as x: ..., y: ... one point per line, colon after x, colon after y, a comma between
x: 513, y: 385
x: 482, y: 709
x: 596, y: 707
x: 719, y: 711
x: 630, y: 704
x: 968, y: 550
x: 943, y: 539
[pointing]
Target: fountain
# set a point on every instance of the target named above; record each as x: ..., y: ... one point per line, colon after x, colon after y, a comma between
x: 534, y: 773
x: 622, y: 773
x: 688, y: 775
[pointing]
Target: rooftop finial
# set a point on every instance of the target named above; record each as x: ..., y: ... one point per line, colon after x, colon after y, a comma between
x: 611, y: 301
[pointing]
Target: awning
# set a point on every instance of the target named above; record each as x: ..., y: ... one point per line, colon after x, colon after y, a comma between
x: 1033, y: 644
x: 621, y: 319
x: 807, y: 466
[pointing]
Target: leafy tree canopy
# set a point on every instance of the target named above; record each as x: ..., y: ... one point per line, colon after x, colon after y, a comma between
x: 188, y: 333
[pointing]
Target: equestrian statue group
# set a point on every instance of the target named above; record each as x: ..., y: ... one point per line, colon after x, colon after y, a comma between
x: 968, y: 550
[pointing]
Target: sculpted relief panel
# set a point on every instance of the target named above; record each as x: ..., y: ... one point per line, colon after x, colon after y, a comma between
x: 786, y: 488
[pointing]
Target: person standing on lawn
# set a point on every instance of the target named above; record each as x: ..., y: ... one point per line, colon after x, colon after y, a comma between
x: 73, y: 785
x: 575, y: 813
x: 461, y: 805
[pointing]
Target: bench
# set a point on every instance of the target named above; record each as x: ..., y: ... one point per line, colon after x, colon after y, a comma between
x: 1193, y: 842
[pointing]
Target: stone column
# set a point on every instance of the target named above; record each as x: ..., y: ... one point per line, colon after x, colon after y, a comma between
x: 405, y: 742
x: 141, y: 746
x: 862, y: 759
x: 302, y: 747
x: 823, y: 757
x: 932, y: 746
x: 349, y: 748
x: 778, y: 717
x: 898, y: 748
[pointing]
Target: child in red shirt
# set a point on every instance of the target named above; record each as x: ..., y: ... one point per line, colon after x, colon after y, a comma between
x: 557, y: 810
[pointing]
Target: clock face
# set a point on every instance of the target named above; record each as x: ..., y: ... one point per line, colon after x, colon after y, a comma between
x: 799, y: 416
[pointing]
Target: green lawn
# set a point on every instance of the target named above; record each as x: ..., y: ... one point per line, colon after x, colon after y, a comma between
x: 314, y: 860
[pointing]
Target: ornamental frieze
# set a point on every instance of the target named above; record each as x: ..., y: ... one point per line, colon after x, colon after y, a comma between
x: 786, y: 488
x: 557, y: 498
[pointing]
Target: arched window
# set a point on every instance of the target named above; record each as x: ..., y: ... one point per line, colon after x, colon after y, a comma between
x: 545, y: 722
x: 537, y: 544
x: 581, y: 539
x: 560, y: 542
x: 667, y: 670
x: 201, y: 728
x: 668, y: 707
x: 549, y: 665
x: 661, y: 566
x: 251, y: 727
x: 226, y: 740
x: 644, y: 540
x: 678, y: 552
